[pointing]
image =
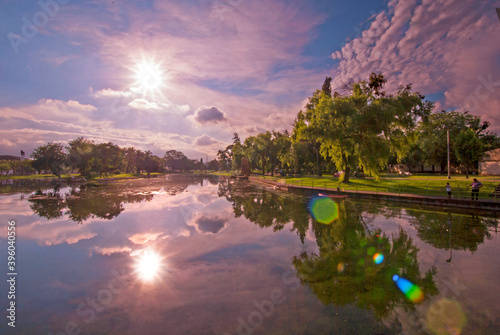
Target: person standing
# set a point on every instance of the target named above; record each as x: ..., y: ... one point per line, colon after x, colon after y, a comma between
x: 448, y: 190
x: 476, y: 185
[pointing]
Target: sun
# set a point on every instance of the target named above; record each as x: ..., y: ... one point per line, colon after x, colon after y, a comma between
x: 149, y: 266
x: 149, y: 76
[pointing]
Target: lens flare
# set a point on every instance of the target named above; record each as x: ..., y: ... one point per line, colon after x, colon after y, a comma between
x: 446, y: 317
x: 378, y: 258
x: 410, y: 290
x: 323, y: 209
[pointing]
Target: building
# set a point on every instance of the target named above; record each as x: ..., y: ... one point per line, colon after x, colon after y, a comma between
x: 489, y: 164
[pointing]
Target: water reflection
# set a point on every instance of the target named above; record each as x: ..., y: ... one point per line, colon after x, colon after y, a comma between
x: 149, y: 266
x: 452, y: 232
x: 268, y: 208
x: 187, y: 255
x: 362, y: 281
x: 354, y: 264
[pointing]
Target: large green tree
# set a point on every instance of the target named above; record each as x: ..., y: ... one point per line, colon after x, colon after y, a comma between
x: 80, y: 155
x: 468, y: 149
x: 467, y: 132
x: 363, y: 128
x: 50, y: 157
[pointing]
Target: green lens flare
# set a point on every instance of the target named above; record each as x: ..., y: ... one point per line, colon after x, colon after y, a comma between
x: 323, y: 209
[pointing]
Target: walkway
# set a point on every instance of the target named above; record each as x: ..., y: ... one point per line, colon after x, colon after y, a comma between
x: 481, y: 204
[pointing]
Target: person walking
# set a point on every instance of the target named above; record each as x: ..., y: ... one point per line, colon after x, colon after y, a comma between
x: 476, y: 185
x: 448, y: 190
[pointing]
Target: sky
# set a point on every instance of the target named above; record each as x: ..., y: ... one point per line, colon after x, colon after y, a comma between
x: 186, y: 75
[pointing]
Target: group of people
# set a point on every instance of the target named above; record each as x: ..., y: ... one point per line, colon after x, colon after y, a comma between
x: 476, y: 185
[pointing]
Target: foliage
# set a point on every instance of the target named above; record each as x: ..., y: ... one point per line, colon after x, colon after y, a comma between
x: 463, y: 127
x: 80, y: 155
x: 468, y: 149
x: 362, y: 128
x: 177, y: 161
x: 49, y: 157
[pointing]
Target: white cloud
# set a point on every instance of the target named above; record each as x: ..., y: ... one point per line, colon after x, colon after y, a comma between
x: 143, y: 104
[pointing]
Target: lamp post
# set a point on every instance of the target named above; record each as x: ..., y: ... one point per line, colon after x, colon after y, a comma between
x: 448, y: 147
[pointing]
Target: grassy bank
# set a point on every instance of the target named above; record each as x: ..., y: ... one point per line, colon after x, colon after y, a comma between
x: 65, y: 176
x: 39, y: 176
x: 429, y: 185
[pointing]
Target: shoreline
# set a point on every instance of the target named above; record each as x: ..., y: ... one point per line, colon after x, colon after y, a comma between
x: 481, y: 204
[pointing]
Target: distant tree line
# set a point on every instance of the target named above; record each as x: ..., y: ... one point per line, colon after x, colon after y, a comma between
x: 365, y: 130
x: 90, y: 158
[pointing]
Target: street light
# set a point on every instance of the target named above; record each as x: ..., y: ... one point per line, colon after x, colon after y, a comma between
x: 448, y: 147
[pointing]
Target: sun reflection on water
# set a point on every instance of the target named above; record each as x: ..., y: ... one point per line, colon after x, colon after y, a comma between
x: 149, y: 266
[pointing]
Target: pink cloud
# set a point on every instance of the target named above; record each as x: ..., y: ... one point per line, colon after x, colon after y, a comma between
x: 439, y: 46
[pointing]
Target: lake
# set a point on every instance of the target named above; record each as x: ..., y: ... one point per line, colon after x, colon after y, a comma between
x: 203, y: 256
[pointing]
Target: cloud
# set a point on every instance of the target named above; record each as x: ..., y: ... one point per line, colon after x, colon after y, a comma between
x: 143, y: 104
x: 206, y: 141
x: 209, y: 225
x: 144, y: 238
x: 438, y: 46
x: 209, y: 114
x: 112, y: 93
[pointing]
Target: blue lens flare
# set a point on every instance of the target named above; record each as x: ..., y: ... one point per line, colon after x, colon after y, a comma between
x: 410, y: 290
x: 378, y: 258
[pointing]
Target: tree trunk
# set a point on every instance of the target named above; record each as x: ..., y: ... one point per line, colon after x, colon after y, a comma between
x: 347, y: 173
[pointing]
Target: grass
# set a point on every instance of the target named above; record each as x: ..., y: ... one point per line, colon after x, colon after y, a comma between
x: 39, y: 176
x: 63, y: 176
x: 126, y: 175
x: 427, y: 185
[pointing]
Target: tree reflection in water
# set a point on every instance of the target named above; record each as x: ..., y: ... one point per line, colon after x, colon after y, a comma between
x: 107, y: 201
x: 452, y: 232
x: 348, y: 268
x: 85, y: 203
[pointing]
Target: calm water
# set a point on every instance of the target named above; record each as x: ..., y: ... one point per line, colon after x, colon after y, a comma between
x: 187, y: 255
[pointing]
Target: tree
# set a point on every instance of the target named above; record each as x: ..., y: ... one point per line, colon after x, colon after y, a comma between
x: 130, y: 159
x: 327, y: 86
x: 224, y: 157
x: 49, y: 157
x: 177, y: 161
x: 432, y: 135
x: 4, y: 167
x: 214, y: 165
x: 363, y: 128
x: 22, y: 167
x: 139, y: 161
x: 236, y: 152
x: 80, y: 155
x: 106, y: 158
x: 468, y: 149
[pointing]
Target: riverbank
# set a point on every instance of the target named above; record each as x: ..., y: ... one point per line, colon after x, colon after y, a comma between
x: 489, y: 205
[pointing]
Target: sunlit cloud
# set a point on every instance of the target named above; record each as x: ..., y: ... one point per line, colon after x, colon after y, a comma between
x: 144, y: 238
x: 144, y: 104
x: 439, y: 47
